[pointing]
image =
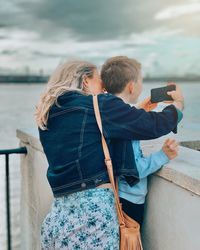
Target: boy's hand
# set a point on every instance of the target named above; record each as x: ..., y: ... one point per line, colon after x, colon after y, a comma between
x: 147, y: 105
x: 170, y: 148
x: 177, y: 96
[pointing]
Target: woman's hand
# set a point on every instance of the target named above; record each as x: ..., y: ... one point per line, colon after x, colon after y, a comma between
x: 170, y: 148
x: 147, y: 105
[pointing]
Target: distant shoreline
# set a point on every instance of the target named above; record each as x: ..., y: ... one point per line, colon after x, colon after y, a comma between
x: 35, y: 79
x: 19, y: 79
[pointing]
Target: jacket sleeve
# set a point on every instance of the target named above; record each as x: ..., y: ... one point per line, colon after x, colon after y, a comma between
x: 122, y: 121
x: 150, y: 164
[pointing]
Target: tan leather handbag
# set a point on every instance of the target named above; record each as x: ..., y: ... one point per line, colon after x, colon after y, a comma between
x: 130, y: 238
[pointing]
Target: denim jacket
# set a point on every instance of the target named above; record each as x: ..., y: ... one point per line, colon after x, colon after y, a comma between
x: 72, y: 142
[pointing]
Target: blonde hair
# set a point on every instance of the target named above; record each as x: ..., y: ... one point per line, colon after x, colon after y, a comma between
x: 68, y: 76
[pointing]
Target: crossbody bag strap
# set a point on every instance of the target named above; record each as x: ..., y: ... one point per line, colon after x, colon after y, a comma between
x: 108, y: 160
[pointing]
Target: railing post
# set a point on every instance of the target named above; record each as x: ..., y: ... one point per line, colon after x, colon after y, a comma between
x: 7, y: 152
x: 9, y: 239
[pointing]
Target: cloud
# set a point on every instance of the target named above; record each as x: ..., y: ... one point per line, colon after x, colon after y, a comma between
x: 88, y: 20
x: 178, y: 10
x: 91, y: 20
x: 41, y: 33
x: 30, y: 50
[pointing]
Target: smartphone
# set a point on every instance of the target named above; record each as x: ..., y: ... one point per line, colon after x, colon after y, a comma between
x: 160, y: 94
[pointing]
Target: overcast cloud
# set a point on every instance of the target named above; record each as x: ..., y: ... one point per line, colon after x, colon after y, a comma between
x: 164, y: 35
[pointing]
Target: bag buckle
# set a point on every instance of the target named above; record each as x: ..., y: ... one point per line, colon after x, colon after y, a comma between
x: 108, y: 162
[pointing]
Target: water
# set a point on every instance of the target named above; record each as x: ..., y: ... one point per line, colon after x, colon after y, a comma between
x: 17, y: 104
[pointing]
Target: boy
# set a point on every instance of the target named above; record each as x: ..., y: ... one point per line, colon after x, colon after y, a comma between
x: 122, y: 77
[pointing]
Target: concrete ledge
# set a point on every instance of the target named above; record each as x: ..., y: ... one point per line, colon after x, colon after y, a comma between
x: 171, y: 219
x: 36, y: 195
x: 183, y: 171
x: 30, y: 137
x: 191, y: 144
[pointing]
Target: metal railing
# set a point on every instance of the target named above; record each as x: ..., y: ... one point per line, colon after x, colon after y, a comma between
x: 7, y: 152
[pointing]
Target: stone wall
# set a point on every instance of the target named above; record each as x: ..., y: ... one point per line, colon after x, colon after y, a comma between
x: 172, y: 216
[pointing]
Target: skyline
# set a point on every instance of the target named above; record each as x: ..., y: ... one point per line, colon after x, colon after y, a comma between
x: 163, y: 35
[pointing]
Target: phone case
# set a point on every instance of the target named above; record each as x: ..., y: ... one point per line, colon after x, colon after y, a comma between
x: 160, y: 94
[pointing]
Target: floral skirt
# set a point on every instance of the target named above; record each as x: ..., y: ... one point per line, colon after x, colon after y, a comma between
x: 83, y: 220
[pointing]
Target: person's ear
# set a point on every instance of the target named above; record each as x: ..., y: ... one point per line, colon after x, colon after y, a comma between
x: 131, y: 87
x: 85, y: 82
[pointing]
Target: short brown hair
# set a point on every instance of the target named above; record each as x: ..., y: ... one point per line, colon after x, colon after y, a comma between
x: 118, y: 71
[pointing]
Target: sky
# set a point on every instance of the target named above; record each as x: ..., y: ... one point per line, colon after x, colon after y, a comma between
x: 37, y: 35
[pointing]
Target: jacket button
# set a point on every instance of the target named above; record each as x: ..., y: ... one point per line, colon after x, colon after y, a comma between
x: 97, y: 181
x: 83, y: 185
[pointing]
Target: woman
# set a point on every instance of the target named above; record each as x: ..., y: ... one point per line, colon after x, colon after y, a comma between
x: 83, y: 214
x: 81, y: 220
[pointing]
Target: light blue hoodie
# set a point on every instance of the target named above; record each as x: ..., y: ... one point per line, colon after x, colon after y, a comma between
x: 145, y: 166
